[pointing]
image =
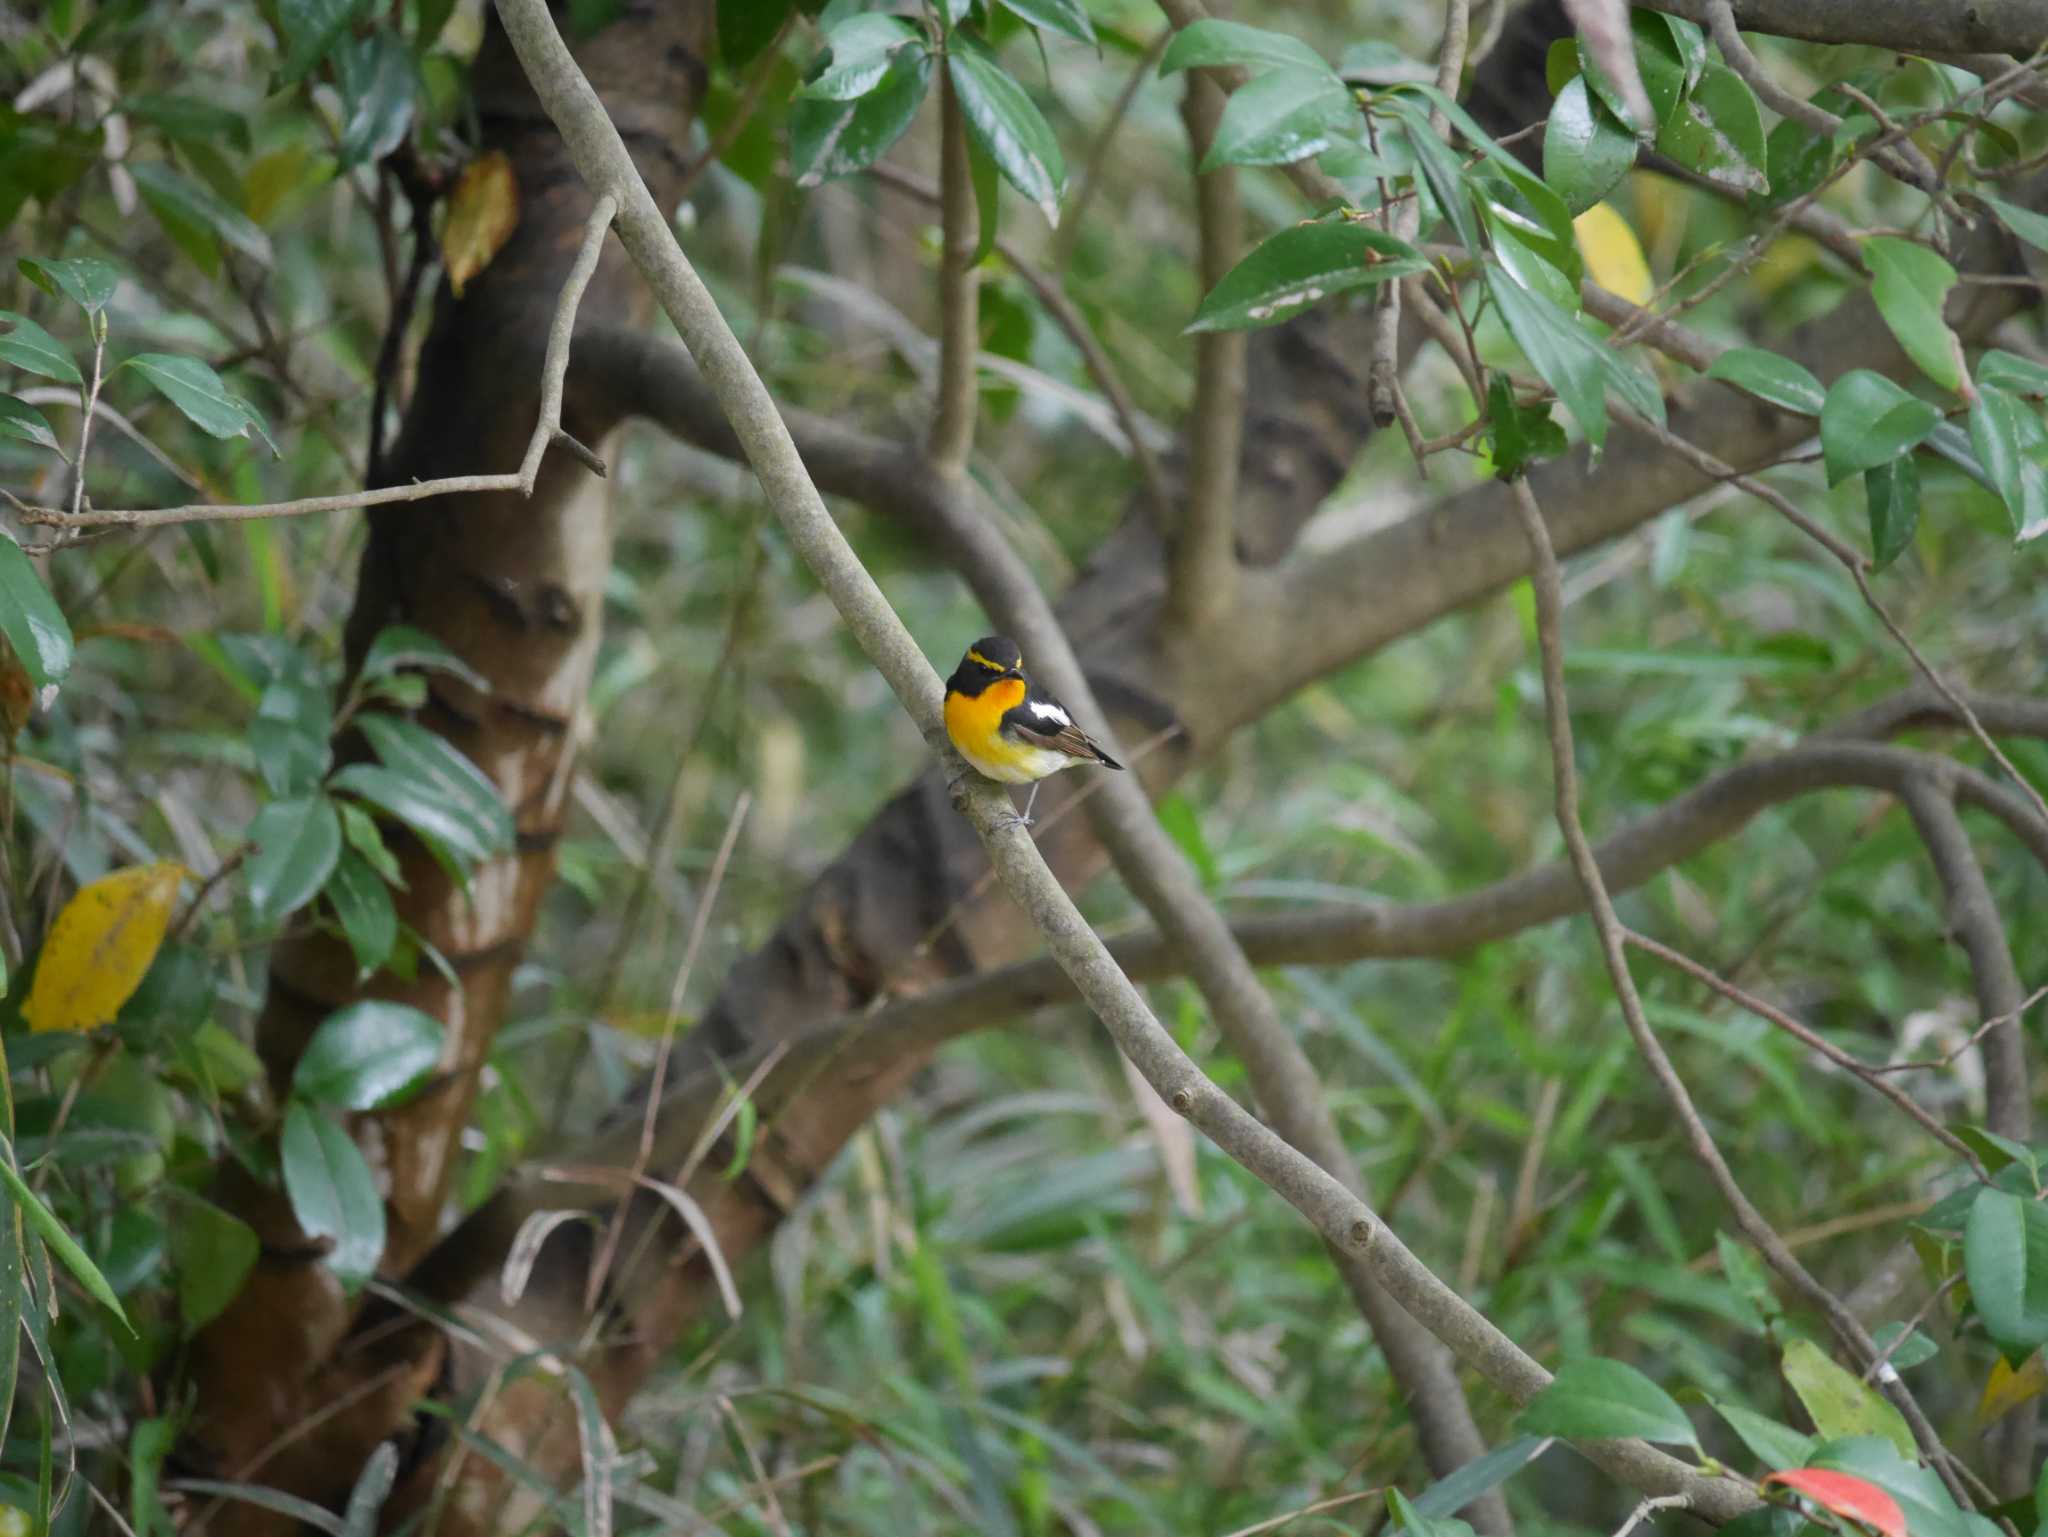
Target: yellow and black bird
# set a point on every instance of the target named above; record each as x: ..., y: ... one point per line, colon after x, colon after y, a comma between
x: 1009, y: 728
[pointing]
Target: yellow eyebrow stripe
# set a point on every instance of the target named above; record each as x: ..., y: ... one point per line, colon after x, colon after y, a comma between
x: 976, y: 656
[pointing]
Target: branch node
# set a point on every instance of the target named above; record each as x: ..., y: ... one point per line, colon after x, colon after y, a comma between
x: 583, y: 455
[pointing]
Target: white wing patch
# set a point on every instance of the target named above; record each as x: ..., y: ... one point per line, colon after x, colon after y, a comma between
x: 1050, y: 713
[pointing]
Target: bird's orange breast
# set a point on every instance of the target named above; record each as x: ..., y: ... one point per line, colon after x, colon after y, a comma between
x: 972, y: 720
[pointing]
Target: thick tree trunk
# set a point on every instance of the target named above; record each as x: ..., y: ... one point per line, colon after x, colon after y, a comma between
x: 514, y: 587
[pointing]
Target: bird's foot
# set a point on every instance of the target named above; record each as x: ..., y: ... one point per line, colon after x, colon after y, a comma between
x: 1017, y: 819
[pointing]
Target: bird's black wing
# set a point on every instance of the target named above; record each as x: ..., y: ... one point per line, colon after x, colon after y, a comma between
x: 1043, y: 721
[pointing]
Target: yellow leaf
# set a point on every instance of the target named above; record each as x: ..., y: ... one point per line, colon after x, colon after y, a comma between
x: 100, y: 946
x: 2008, y: 1389
x: 1614, y: 260
x: 483, y: 210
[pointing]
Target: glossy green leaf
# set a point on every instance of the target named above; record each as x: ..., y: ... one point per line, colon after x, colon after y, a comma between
x: 30, y: 619
x: 1868, y: 420
x: 1567, y: 357
x: 1299, y: 266
x: 1211, y: 42
x: 1910, y: 284
x: 39, y: 1218
x: 2014, y: 374
x: 1838, y: 1401
x: 186, y: 208
x: 368, y: 1056
x: 1586, y: 151
x: 434, y: 764
x: 1666, y: 73
x: 362, y: 902
x: 1595, y: 1398
x: 360, y: 829
x: 401, y: 647
x: 29, y: 347
x: 860, y: 51
x: 1917, y: 1349
x: 213, y: 1253
x: 1007, y: 125
x: 830, y: 139
x: 1773, y: 1444
x: 85, y: 282
x: 378, y: 86
x: 333, y: 1194
x: 309, y: 30
x: 2005, y: 1257
x: 2010, y: 442
x: 1440, y: 169
x: 1718, y: 131
x: 1520, y: 435
x: 1770, y: 377
x: 195, y: 389
x: 1280, y: 117
x: 1891, y: 493
x: 19, y: 419
x: 417, y: 805
x: 1375, y: 61
x: 1067, y: 17
x: 1453, y: 1492
x: 297, y: 842
x: 2030, y: 226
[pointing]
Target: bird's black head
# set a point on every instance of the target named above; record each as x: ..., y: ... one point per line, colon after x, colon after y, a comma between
x: 988, y: 660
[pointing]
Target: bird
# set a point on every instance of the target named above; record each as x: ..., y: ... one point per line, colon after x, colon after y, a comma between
x: 1007, y: 727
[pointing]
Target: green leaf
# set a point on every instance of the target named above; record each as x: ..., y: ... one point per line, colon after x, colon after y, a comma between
x: 2010, y: 440
x: 1008, y: 126
x: 196, y: 390
x: 360, y: 828
x: 417, y: 806
x: 1910, y: 284
x: 74, y: 1259
x: 435, y: 766
x: 1177, y: 815
x: 30, y: 348
x: 400, y: 647
x: 1406, y: 1518
x: 190, y: 119
x: 745, y: 30
x: 308, y: 30
x: 1280, y: 117
x: 1770, y: 377
x: 373, y: 1488
x: 318, y: 1517
x: 1773, y: 1444
x: 213, y: 1253
x: 1998, y: 1152
x: 1595, y: 1398
x: 19, y: 419
x: 1929, y: 1510
x: 1586, y: 150
x: 87, y: 283
x: 148, y: 1445
x: 1891, y: 492
x: 30, y: 619
x: 1867, y: 420
x: 362, y: 902
x: 832, y: 139
x: 1067, y: 17
x: 1453, y: 1492
x: 2013, y: 374
x: 378, y: 87
x: 2005, y: 1257
x: 1718, y: 130
x: 333, y: 1193
x: 2024, y: 222
x: 861, y: 50
x: 1520, y: 435
x: 1917, y: 1349
x: 1440, y: 169
x: 1299, y: 266
x: 368, y: 1056
x: 1570, y: 361
x: 297, y: 842
x: 194, y: 216
x: 1838, y: 1401
x: 1210, y: 42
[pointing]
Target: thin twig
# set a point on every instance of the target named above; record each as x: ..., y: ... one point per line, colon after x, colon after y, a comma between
x: 959, y: 385
x: 99, y: 357
x: 547, y: 433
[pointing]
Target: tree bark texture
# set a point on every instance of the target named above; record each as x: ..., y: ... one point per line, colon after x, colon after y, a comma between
x: 515, y: 588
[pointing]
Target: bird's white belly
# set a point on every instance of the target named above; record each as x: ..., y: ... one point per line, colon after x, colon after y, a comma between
x: 1030, y: 763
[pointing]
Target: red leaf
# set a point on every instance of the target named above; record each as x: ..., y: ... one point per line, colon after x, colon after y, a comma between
x: 1846, y: 1496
